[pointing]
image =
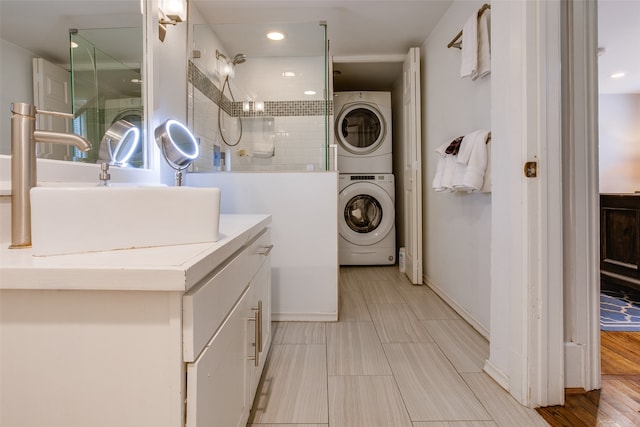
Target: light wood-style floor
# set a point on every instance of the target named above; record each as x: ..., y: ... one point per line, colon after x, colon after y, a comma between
x: 399, y: 356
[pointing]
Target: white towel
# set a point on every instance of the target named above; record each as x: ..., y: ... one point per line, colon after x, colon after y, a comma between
x: 468, y: 144
x: 470, y: 173
x: 469, y: 61
x: 437, y: 178
x: 486, y: 185
x: 484, y: 46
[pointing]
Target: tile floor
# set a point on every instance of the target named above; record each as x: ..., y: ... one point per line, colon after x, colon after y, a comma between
x: 399, y: 356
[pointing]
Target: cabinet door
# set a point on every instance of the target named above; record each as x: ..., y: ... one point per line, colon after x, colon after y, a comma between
x: 261, y: 337
x: 620, y: 241
x: 216, y: 381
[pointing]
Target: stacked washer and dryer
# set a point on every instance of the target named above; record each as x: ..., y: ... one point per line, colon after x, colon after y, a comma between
x: 366, y: 217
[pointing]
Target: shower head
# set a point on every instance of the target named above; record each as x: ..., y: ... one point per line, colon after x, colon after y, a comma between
x: 220, y: 55
x: 239, y: 59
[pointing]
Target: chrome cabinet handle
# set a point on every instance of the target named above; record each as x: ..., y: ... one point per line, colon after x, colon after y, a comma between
x: 256, y: 350
x: 258, y: 310
x: 264, y: 250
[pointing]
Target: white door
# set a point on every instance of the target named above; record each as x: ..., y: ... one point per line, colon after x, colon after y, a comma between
x: 412, y: 166
x: 52, y: 92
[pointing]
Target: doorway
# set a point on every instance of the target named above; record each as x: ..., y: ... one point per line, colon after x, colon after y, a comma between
x: 619, y: 174
x: 398, y: 75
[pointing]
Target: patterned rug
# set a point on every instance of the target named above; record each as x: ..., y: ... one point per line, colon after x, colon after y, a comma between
x: 620, y: 310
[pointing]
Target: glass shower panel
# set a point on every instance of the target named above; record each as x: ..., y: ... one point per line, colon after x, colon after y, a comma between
x: 258, y: 105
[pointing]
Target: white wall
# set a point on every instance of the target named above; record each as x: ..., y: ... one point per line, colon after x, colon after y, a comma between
x: 456, y: 226
x: 16, y: 85
x: 619, y: 136
x: 304, y: 228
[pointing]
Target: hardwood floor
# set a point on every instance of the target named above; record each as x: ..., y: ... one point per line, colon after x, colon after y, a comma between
x: 618, y: 402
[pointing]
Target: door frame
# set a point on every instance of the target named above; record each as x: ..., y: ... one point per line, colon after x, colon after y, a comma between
x: 581, y: 187
x: 527, y: 339
x: 399, y: 172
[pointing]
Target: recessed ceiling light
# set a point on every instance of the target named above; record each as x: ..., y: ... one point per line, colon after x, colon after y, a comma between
x: 616, y: 75
x: 288, y: 74
x: 309, y: 92
x: 275, y: 35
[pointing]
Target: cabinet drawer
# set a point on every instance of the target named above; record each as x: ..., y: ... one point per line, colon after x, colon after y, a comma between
x: 206, y: 306
x: 259, y: 251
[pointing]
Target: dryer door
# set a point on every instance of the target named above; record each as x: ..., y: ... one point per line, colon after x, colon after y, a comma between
x: 367, y: 213
x: 360, y: 128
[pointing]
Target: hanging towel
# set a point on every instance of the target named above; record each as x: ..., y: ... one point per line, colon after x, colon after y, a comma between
x: 470, y: 171
x: 486, y: 185
x: 437, y: 178
x: 469, y: 64
x: 454, y: 146
x: 484, y: 46
x: 468, y: 144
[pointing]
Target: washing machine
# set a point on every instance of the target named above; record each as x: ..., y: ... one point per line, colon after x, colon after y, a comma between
x: 363, y: 132
x: 129, y: 109
x: 366, y: 219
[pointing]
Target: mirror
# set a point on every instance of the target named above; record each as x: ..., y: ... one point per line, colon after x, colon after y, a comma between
x: 84, y: 57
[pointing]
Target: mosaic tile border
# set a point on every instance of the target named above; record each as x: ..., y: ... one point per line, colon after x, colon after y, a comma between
x: 271, y: 108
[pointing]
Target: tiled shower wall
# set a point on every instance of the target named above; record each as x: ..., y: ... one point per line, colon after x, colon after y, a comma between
x: 289, y: 135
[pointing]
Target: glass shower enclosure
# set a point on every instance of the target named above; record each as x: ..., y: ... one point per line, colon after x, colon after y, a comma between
x: 257, y: 105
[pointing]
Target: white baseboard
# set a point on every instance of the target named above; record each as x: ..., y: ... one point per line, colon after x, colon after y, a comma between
x: 496, y: 374
x: 304, y: 317
x: 574, y: 365
x: 458, y: 309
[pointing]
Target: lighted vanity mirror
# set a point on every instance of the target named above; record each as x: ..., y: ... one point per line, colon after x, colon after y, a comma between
x: 178, y: 145
x: 120, y: 143
x: 84, y: 57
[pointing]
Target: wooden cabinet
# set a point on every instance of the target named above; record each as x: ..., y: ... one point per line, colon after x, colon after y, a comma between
x: 141, y: 357
x: 620, y: 238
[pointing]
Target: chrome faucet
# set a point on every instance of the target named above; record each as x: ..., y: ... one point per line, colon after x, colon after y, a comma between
x: 24, y: 137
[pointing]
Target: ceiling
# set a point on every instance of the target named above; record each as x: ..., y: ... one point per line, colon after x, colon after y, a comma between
x: 618, y: 33
x: 42, y: 26
x: 355, y: 28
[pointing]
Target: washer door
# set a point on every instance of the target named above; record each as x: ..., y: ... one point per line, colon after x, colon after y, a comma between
x: 367, y: 213
x: 360, y: 128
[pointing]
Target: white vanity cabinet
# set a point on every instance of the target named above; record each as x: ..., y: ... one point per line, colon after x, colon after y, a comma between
x: 237, y: 345
x: 157, y: 337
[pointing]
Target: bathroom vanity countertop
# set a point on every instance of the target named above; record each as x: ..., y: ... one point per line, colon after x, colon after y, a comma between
x: 167, y: 268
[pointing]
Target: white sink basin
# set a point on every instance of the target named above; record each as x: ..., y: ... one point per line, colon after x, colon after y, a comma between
x: 68, y: 220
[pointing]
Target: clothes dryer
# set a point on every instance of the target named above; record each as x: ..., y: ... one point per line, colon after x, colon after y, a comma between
x: 366, y: 219
x: 363, y: 132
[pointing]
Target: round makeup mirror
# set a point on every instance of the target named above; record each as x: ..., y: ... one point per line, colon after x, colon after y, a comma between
x: 120, y: 143
x: 179, y: 147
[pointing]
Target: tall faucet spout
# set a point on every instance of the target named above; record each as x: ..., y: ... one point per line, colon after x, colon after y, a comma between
x: 23, y: 165
x: 77, y: 141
